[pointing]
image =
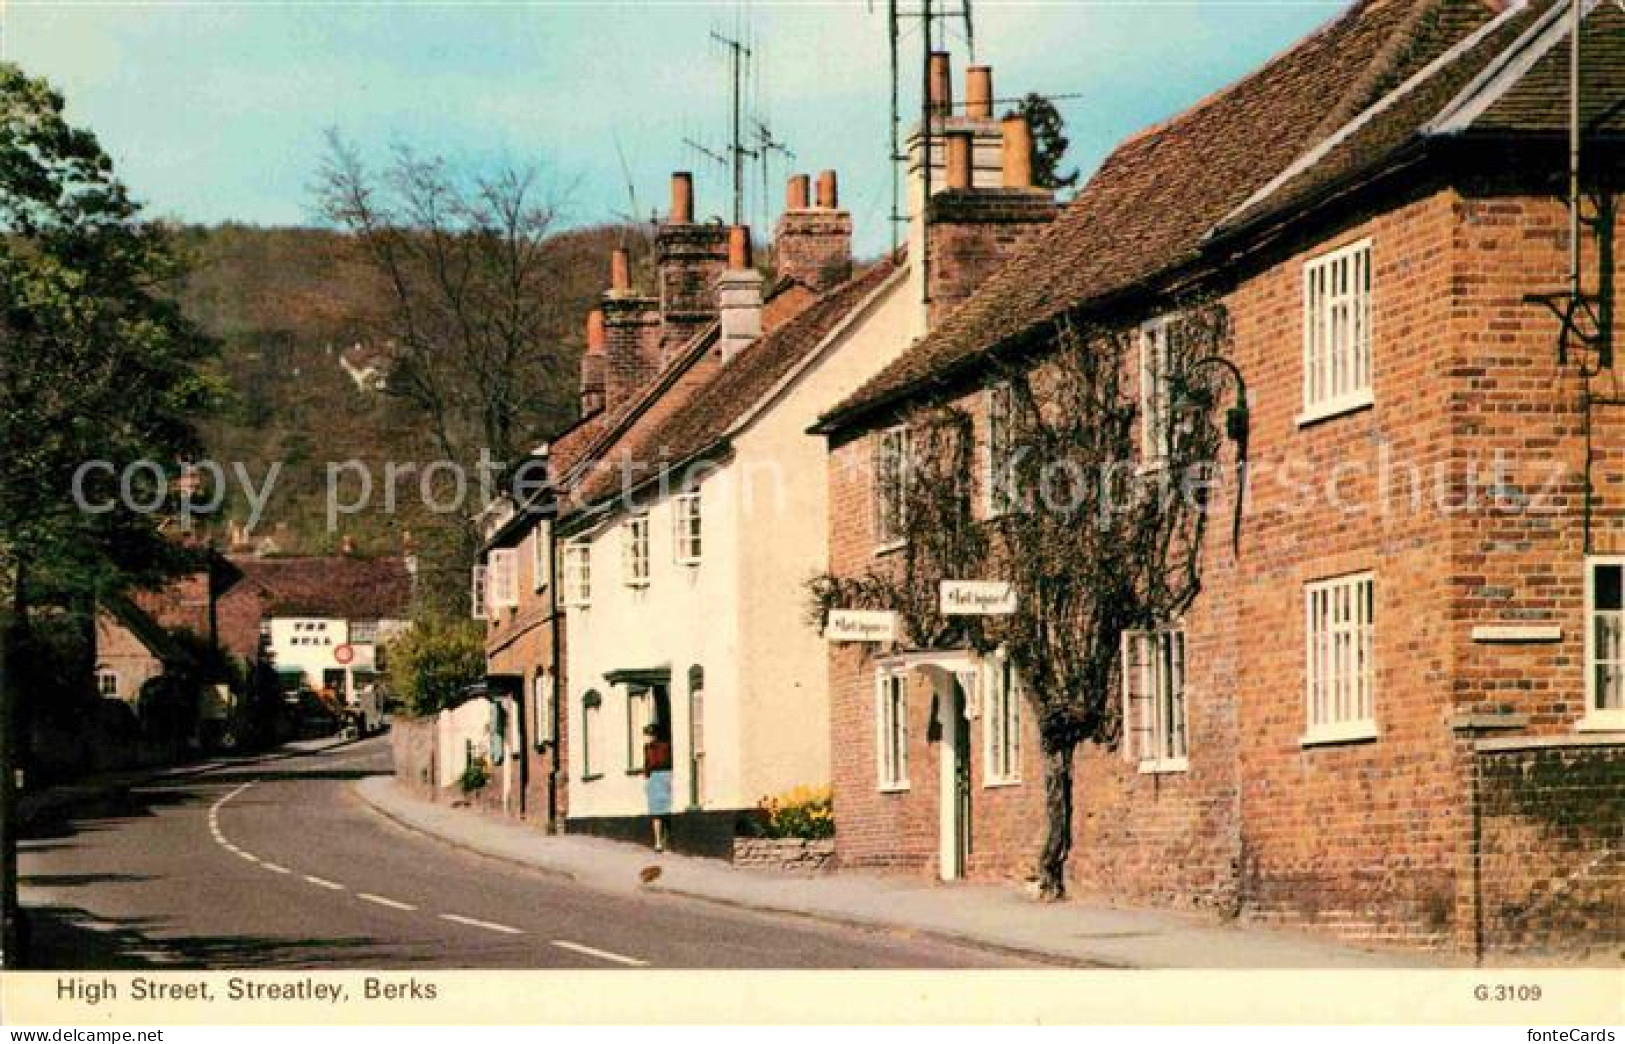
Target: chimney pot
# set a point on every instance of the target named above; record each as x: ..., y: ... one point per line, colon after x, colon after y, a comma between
x: 940, y: 92
x: 959, y: 159
x: 1018, y: 152
x: 739, y: 258
x: 620, y: 272
x: 979, y: 92
x: 682, y: 198
x: 595, y: 331
x: 828, y: 191
x: 795, y: 193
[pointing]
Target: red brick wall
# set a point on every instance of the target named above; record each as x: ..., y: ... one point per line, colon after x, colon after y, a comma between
x: 1367, y: 840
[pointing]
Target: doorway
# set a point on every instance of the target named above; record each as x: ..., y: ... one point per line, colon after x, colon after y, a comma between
x: 953, y: 705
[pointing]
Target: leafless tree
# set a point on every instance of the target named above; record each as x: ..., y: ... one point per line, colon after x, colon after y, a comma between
x: 471, y: 319
x: 1099, y: 538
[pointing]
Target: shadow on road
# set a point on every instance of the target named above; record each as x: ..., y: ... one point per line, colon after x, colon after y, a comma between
x: 66, y: 938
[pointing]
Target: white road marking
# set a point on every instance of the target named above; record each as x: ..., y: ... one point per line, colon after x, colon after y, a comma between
x: 591, y: 951
x: 274, y: 868
x: 250, y: 856
x: 487, y: 925
x: 381, y: 901
x: 322, y: 882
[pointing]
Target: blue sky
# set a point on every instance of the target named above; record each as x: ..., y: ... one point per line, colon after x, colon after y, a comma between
x: 217, y: 110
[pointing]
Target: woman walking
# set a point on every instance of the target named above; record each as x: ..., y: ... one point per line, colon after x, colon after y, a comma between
x: 657, y: 781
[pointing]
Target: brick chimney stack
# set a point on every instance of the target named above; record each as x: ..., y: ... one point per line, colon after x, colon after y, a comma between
x: 689, y: 257
x: 739, y: 290
x: 814, y: 243
x: 593, y: 365
x: 631, y: 336
x: 983, y: 205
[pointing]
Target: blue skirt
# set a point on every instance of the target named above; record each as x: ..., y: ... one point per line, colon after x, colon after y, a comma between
x: 658, y: 790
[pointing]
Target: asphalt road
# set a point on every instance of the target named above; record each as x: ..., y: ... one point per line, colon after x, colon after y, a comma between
x: 276, y: 863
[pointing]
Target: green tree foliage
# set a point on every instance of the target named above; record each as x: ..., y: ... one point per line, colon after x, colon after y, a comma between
x: 97, y: 363
x: 431, y: 664
x: 1049, y: 142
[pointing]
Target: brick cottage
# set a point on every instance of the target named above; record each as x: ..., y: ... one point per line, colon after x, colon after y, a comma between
x: 1396, y: 710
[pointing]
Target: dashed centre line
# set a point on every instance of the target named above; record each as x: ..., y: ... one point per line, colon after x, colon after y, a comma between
x: 487, y: 925
x: 395, y: 904
x: 593, y: 951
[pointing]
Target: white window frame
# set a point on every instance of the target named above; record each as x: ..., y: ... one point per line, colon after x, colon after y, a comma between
x: 891, y: 730
x: 1156, y: 393
x: 541, y: 558
x: 1156, y: 708
x: 544, y: 696
x: 1340, y: 662
x: 640, y: 713
x: 502, y: 578
x: 103, y: 676
x: 592, y: 718
x: 577, y: 562
x: 478, y: 607
x: 635, y: 551
x: 1597, y: 719
x: 891, y: 519
x: 998, y: 497
x: 1001, y: 722
x: 687, y: 529
x: 1337, y: 341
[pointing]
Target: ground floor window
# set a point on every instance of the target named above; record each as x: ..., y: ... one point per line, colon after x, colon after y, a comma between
x: 592, y: 709
x: 1154, y: 699
x: 542, y: 704
x: 1340, y: 619
x: 1001, y: 723
x: 1605, y: 644
x: 891, y: 729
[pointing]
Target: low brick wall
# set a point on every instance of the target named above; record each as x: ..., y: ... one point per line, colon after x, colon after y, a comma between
x: 1552, y: 850
x: 413, y: 740
x: 789, y: 854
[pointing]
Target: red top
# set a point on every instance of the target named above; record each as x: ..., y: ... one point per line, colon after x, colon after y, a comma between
x: 656, y: 756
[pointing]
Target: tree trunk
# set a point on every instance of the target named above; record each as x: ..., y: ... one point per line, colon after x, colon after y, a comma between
x: 1058, y: 820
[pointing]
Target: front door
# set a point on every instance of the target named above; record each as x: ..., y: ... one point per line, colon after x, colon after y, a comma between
x: 952, y: 701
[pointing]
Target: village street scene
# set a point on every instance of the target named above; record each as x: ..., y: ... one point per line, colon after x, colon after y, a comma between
x: 1153, y: 504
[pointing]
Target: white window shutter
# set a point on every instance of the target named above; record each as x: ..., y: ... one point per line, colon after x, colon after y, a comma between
x: 1138, y: 694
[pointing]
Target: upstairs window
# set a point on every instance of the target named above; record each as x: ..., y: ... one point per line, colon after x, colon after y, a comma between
x: 1154, y: 700
x: 1001, y: 458
x: 635, y: 551
x: 502, y: 578
x: 686, y: 529
x: 364, y: 632
x: 1341, y: 668
x: 891, y: 487
x: 1155, y: 393
x: 577, y: 562
x: 1605, y: 645
x: 1337, y: 331
x: 107, y: 684
x: 541, y: 559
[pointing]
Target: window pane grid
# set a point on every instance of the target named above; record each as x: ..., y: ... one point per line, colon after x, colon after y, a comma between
x: 1340, y: 670
x: 1337, y: 326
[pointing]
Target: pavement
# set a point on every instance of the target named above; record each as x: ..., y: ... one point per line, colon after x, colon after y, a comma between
x: 275, y: 862
x: 1000, y: 919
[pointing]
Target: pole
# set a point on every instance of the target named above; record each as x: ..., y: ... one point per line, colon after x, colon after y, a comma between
x: 10, y: 911
x: 925, y: 160
x: 894, y: 155
x: 1576, y: 12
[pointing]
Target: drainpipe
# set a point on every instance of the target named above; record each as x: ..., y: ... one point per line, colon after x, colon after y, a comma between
x: 557, y: 626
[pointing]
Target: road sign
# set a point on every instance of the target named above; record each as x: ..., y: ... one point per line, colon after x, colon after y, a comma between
x: 977, y: 598
x: 343, y: 653
x: 861, y: 625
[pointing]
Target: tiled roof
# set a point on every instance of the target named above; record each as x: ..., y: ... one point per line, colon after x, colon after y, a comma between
x: 341, y: 586
x: 1337, y: 105
x: 1539, y: 100
x: 714, y: 407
